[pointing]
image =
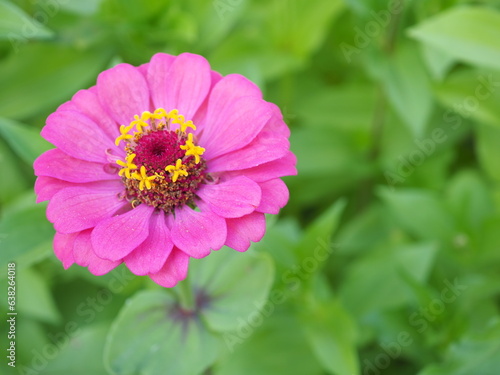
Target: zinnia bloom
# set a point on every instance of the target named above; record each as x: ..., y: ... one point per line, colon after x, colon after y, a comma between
x: 159, y: 163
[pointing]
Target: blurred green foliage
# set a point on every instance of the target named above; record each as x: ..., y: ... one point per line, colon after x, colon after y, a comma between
x: 385, y: 261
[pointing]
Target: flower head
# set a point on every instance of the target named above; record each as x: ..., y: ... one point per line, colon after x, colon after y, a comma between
x: 159, y: 163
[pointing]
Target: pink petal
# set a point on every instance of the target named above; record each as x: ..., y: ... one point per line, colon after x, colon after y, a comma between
x: 157, y: 77
x: 55, y: 163
x: 274, y: 196
x: 117, y: 236
x: 63, y: 248
x: 267, y: 146
x: 143, y: 69
x: 230, y: 128
x: 174, y: 270
x: 46, y: 187
x: 233, y: 198
x: 88, y: 103
x: 123, y: 92
x: 244, y: 229
x: 228, y: 90
x: 201, y: 113
x: 78, y: 208
x: 276, y: 122
x: 85, y: 256
x: 77, y: 136
x: 196, y: 233
x: 184, y: 86
x: 150, y: 256
x: 68, y: 106
x: 276, y: 168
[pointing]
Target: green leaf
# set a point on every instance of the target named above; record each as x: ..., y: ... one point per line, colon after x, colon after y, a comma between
x: 27, y: 92
x: 470, y: 93
x: 488, y: 139
x: 151, y: 335
x: 34, y: 298
x: 387, y: 268
x: 237, y: 285
x: 88, y: 7
x: 15, y: 24
x: 275, y: 347
x: 303, y: 25
x: 17, y: 181
x: 438, y: 61
x: 420, y: 212
x: 26, y: 141
x: 470, y: 199
x: 409, y: 94
x: 27, y: 235
x: 475, y: 353
x: 467, y: 33
x: 332, y: 333
x: 293, y: 31
x: 364, y: 231
x: 81, y: 354
x: 319, y: 233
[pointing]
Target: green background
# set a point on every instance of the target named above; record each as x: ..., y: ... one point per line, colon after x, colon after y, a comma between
x: 386, y: 259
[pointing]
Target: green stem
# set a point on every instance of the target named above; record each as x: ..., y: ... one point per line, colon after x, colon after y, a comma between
x: 186, y: 296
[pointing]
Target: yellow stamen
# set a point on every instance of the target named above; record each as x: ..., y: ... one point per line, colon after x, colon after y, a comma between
x: 124, y: 134
x: 143, y: 178
x: 159, y: 114
x: 177, y: 170
x: 139, y: 122
x: 127, y: 165
x: 181, y: 120
x: 187, y: 124
x: 192, y: 149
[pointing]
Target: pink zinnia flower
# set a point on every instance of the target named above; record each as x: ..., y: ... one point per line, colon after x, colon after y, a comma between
x: 159, y: 163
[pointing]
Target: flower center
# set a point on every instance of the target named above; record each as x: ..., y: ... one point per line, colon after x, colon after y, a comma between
x: 163, y: 167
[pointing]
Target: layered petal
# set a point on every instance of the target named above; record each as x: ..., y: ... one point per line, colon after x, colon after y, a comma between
x: 284, y: 166
x: 47, y: 187
x: 150, y: 256
x: 77, y: 135
x: 88, y: 103
x: 232, y: 87
x: 230, y: 128
x: 274, y: 196
x: 233, y: 198
x: 123, y: 92
x: 276, y: 123
x: 77, y: 208
x: 267, y: 146
x: 85, y: 255
x: 201, y: 113
x: 63, y: 248
x: 57, y: 164
x: 184, y: 86
x: 196, y: 233
x: 174, y: 270
x: 116, y: 237
x: 244, y: 229
x: 157, y: 77
x: 225, y: 91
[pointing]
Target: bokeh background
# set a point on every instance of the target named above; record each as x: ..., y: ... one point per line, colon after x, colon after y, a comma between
x: 386, y: 259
